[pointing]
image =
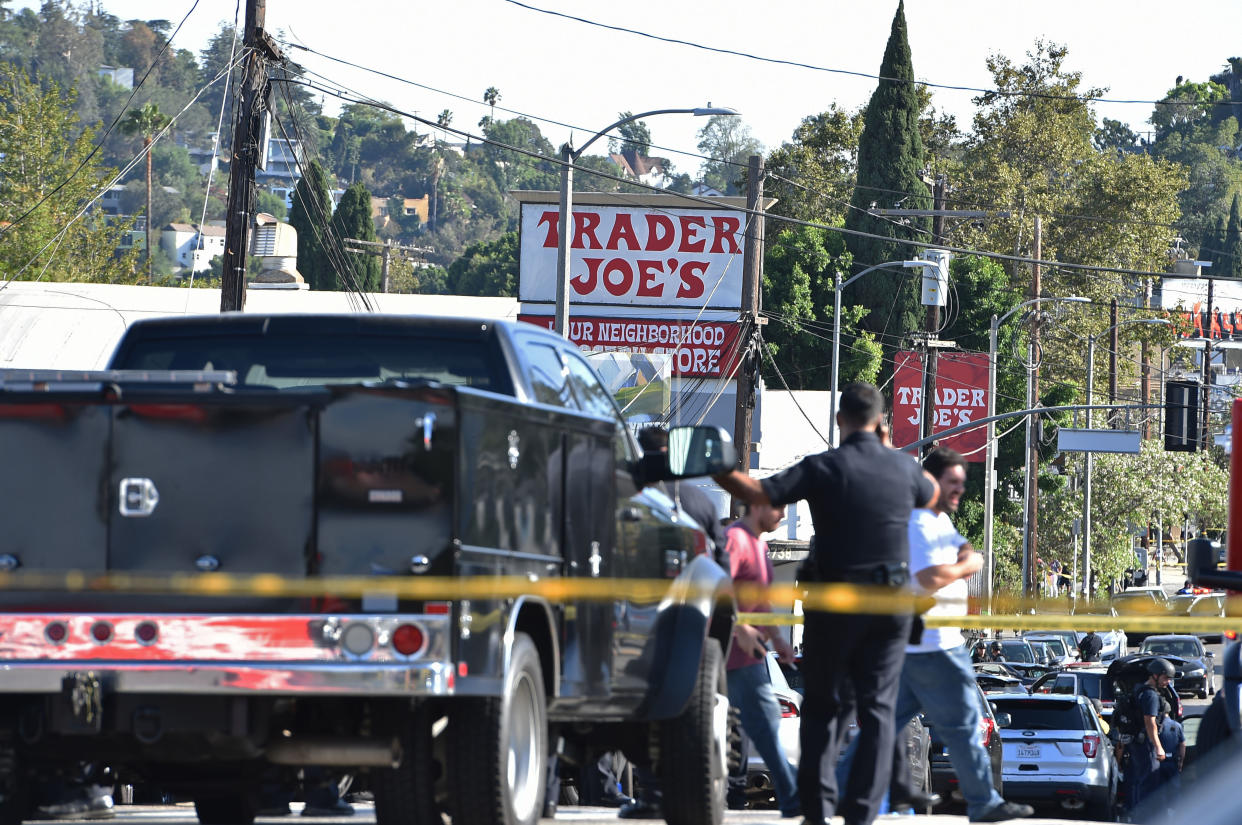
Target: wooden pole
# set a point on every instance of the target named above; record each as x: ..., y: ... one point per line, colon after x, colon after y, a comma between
x: 752, y: 276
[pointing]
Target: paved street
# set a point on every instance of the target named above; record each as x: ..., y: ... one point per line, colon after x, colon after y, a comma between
x: 184, y: 813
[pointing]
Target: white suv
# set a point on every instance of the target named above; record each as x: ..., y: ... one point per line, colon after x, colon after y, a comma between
x: 1056, y: 750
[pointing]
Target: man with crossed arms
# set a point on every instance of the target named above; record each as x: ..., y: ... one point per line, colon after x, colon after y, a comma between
x: 937, y: 677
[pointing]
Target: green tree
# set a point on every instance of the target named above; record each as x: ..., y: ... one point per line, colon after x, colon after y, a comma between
x: 353, y: 220
x: 1114, y: 136
x: 488, y: 268
x: 635, y: 136
x: 41, y: 146
x: 799, y: 267
x: 1231, y: 260
x: 728, y: 143
x: 491, y: 96
x: 812, y: 176
x: 890, y: 159
x: 310, y: 216
x: 147, y: 121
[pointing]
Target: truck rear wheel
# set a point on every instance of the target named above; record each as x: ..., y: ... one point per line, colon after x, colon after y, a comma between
x: 498, y: 747
x: 694, y: 748
x: 406, y: 794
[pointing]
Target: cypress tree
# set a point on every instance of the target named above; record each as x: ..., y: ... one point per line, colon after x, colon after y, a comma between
x: 1231, y: 266
x: 1211, y: 241
x: 312, y: 206
x: 890, y: 159
x: 353, y: 220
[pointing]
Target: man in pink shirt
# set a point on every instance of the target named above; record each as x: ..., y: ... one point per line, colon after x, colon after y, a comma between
x: 750, y: 686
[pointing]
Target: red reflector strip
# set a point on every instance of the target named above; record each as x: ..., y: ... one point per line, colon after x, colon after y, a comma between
x: 51, y: 412
x: 437, y: 608
x: 170, y: 412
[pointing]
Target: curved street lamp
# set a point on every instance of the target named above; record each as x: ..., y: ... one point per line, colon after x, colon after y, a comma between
x: 836, y: 329
x: 568, y: 156
x: 989, y: 471
x: 1087, y: 462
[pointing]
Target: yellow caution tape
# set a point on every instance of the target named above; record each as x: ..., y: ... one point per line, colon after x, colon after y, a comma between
x: 1007, y: 612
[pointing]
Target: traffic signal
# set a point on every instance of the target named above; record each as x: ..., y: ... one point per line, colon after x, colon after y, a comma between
x: 1181, y: 416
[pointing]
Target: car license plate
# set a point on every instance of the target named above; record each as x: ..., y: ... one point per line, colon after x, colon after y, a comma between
x: 1028, y: 751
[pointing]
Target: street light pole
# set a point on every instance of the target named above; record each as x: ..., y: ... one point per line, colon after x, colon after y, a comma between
x: 989, y: 471
x: 836, y: 330
x: 1088, y: 460
x: 564, y: 245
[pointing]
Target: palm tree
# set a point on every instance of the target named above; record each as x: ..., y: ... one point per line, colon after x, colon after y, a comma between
x: 147, y: 121
x: 491, y: 97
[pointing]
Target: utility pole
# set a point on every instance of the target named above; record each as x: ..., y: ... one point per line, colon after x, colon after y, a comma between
x: 1032, y: 533
x: 752, y: 277
x: 384, y: 249
x: 932, y: 324
x: 1145, y: 379
x: 1207, y: 363
x: 247, y: 143
x: 1114, y: 343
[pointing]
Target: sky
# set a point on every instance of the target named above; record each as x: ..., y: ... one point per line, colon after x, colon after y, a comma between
x: 582, y: 75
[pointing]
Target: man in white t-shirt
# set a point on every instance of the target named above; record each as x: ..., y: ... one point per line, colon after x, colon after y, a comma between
x: 937, y: 677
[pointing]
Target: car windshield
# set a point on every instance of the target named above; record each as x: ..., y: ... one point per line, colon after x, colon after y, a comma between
x: 1185, y: 648
x: 1017, y: 652
x: 1207, y: 606
x: 1057, y: 646
x: 1093, y: 685
x: 1035, y: 714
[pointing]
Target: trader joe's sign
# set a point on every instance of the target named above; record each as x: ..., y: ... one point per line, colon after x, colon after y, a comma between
x: 671, y: 258
x: 961, y: 397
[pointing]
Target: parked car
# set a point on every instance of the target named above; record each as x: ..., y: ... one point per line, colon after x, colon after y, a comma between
x: 1069, y: 640
x: 993, y: 682
x: 1043, y: 655
x: 1059, y: 653
x: 759, y: 787
x: 1210, y: 605
x: 1197, y: 674
x: 1056, y: 751
x: 1140, y: 601
x: 1018, y: 651
x: 943, y: 777
x: 1092, y: 682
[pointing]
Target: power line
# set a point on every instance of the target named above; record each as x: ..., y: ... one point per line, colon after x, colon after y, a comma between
x: 126, y: 170
x: 104, y: 137
x: 362, y: 99
x: 849, y: 72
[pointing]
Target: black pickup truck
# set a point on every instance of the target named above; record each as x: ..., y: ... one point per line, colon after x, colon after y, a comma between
x: 300, y: 446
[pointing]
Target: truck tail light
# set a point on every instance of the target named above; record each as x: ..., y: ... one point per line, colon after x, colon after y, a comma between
x: 146, y: 633
x: 1231, y: 634
x: 101, y: 632
x: 56, y: 632
x: 788, y: 709
x: 1091, y: 745
x: 408, y: 639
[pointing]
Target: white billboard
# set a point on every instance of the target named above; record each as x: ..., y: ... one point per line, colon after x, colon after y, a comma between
x: 686, y: 258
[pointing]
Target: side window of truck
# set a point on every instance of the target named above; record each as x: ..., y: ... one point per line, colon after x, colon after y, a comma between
x: 594, y: 398
x: 549, y: 377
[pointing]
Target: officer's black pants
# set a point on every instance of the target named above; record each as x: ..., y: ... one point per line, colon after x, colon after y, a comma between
x: 848, y: 662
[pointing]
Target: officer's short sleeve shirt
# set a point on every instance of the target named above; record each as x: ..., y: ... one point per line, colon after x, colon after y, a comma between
x: 860, y: 497
x: 1148, y: 701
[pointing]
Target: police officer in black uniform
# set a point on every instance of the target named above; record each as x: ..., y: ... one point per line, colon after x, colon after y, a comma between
x: 860, y: 497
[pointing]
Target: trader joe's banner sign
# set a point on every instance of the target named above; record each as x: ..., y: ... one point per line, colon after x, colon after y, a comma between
x: 670, y: 258
x: 961, y: 397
